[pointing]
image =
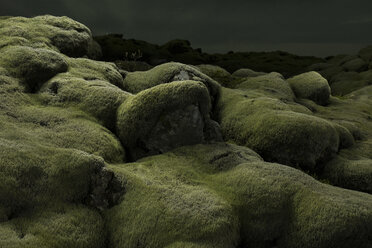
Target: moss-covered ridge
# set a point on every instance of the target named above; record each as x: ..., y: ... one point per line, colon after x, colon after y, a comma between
x: 68, y: 129
x: 222, y: 195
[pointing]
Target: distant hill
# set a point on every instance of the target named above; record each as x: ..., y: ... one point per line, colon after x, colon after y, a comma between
x: 115, y: 47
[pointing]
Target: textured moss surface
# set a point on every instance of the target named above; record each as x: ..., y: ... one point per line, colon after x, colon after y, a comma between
x: 247, y: 203
x: 69, y: 132
x: 311, y: 85
x: 137, y: 81
x: 164, y: 107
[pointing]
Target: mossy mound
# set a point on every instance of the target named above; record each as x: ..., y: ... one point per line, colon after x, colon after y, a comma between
x: 311, y: 85
x: 57, y: 33
x: 356, y: 64
x: 90, y: 85
x: 245, y: 72
x: 57, y: 226
x: 217, y: 73
x: 348, y: 173
x: 366, y: 53
x: 166, y: 116
x: 279, y: 131
x: 184, y: 198
x: 33, y: 66
x: 269, y: 84
x: 346, y: 82
x: 135, y: 82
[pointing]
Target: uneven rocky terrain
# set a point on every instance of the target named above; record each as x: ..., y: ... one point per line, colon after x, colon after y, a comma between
x: 95, y: 156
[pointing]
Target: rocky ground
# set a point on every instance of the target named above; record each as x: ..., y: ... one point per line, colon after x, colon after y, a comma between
x: 177, y: 155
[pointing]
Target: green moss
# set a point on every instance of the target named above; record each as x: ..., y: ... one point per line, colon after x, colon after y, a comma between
x: 311, y: 85
x: 61, y: 226
x: 90, y: 86
x: 245, y: 72
x: 164, y: 105
x: 63, y: 128
x: 58, y: 33
x: 184, y: 198
x: 135, y: 82
x: 32, y: 66
x: 217, y: 73
x: 270, y: 84
x: 351, y: 174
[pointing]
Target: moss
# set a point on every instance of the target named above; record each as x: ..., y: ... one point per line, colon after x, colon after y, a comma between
x: 32, y: 66
x: 60, y: 226
x: 217, y: 73
x: 352, y: 174
x: 183, y: 198
x: 245, y: 72
x: 366, y: 53
x: 90, y: 86
x: 33, y: 175
x: 137, y: 81
x: 270, y: 84
x: 311, y: 85
x: 356, y: 64
x: 154, y: 112
x: 298, y: 210
x: 63, y: 128
x: 330, y: 72
x: 95, y: 70
x: 272, y: 129
x: 58, y: 33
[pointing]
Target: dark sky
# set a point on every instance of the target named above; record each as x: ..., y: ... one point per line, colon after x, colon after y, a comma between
x: 314, y: 27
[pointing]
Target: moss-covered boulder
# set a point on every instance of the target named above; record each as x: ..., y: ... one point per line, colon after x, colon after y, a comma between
x: 135, y: 82
x: 166, y: 116
x: 185, y: 199
x: 278, y: 131
x: 366, y: 53
x: 356, y: 64
x: 64, y: 225
x: 245, y: 72
x: 272, y: 84
x: 346, y: 82
x: 33, y: 66
x: 311, y: 85
x: 352, y: 174
x: 57, y: 33
x: 90, y: 85
x: 217, y: 73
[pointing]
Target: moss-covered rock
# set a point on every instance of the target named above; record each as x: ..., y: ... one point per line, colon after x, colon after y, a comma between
x: 272, y: 128
x: 58, y: 226
x: 184, y: 199
x: 311, y: 85
x: 58, y: 33
x: 217, y: 73
x: 32, y: 66
x: 166, y: 116
x: 350, y: 173
x: 330, y: 72
x: 90, y: 85
x: 366, y: 53
x: 245, y: 72
x: 356, y: 64
x: 135, y: 82
x: 270, y: 84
